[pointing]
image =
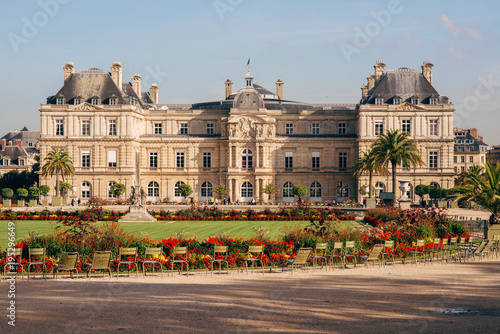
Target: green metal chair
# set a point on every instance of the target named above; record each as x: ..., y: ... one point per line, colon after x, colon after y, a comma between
x: 350, y: 252
x: 37, y: 258
x: 254, y: 255
x: 320, y: 254
x: 301, y: 259
x: 418, y: 251
x: 388, y: 251
x: 67, y: 262
x: 152, y: 256
x: 337, y: 253
x: 174, y: 259
x: 101, y: 260
x: 375, y: 255
x: 14, y: 262
x: 124, y: 255
x: 220, y: 257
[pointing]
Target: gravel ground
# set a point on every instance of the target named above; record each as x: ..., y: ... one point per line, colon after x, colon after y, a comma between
x: 393, y: 299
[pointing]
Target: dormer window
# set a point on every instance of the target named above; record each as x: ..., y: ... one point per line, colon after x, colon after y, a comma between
x: 21, y: 162
x: 379, y: 100
x: 414, y: 100
x: 59, y: 101
x: 94, y: 100
x: 77, y: 101
x: 112, y: 101
x: 433, y: 100
x: 396, y: 100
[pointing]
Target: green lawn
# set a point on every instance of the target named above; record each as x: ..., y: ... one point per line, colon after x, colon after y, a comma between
x: 164, y: 229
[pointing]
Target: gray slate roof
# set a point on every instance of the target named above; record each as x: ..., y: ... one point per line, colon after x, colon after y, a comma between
x: 94, y: 82
x: 404, y: 83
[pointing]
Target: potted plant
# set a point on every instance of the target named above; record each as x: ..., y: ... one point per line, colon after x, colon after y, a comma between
x: 7, y: 194
x: 34, y: 192
x: 270, y: 190
x: 299, y: 191
x: 44, y: 191
x: 185, y: 190
x: 21, y: 194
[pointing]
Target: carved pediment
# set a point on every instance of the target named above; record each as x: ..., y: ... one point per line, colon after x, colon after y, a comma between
x: 406, y: 106
x: 85, y: 106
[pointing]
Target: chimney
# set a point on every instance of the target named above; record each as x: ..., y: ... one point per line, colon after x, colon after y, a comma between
x: 364, y: 90
x: 427, y: 70
x: 4, y: 143
x: 136, y: 84
x: 116, y: 74
x: 153, y: 93
x: 69, y: 68
x: 473, y: 132
x: 379, y: 70
x: 10, y: 143
x: 18, y: 143
x: 371, y: 81
x: 229, y: 88
x: 279, y: 89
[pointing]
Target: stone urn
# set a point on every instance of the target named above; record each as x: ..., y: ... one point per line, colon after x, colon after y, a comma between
x: 404, y: 200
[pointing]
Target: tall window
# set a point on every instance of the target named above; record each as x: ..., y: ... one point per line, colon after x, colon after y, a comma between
x: 342, y: 190
x: 288, y: 190
x: 246, y: 159
x: 110, y: 193
x: 471, y: 159
x: 455, y: 159
x: 153, y: 159
x: 342, y: 159
x: 153, y: 189
x: 210, y: 128
x: 207, y: 159
x: 289, y: 129
x: 433, y: 127
x: 158, y: 128
x: 342, y: 128
x: 378, y: 188
x: 379, y: 128
x: 183, y: 129
x: 85, y: 158
x: 246, y: 189
x: 111, y: 158
x: 405, y: 125
x: 86, y: 127
x: 315, y: 189
x: 433, y: 159
x: 86, y: 190
x: 462, y: 158
x: 315, y: 161
x: 314, y: 129
x: 112, y: 127
x: 112, y: 101
x: 176, y: 188
x: 59, y: 127
x: 206, y: 189
x: 179, y: 159
x: 288, y: 159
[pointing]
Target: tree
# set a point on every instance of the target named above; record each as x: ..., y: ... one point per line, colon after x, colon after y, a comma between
x: 21, y: 193
x: 34, y: 192
x: 185, y: 190
x: 366, y: 164
x: 44, y: 190
x: 421, y: 190
x: 396, y: 147
x: 270, y: 189
x: 299, y: 191
x: 483, y: 189
x: 25, y: 128
x: 64, y: 188
x: 474, y: 169
x: 118, y: 189
x: 7, y: 193
x: 220, y: 190
x: 58, y: 162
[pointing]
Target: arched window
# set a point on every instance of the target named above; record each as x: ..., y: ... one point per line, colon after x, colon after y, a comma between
x: 378, y: 188
x: 288, y: 190
x: 176, y: 189
x: 315, y: 189
x: 206, y: 189
x: 153, y: 189
x: 246, y: 159
x: 110, y: 193
x: 246, y: 189
x: 85, y: 189
x: 342, y: 189
x: 435, y: 184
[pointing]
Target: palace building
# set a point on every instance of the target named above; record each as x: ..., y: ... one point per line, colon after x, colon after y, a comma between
x: 250, y: 138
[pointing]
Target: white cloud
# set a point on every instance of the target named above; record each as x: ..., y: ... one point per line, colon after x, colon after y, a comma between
x: 459, y: 54
x: 470, y: 31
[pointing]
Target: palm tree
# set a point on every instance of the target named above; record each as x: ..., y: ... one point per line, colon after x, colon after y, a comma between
x: 366, y: 163
x: 270, y: 189
x: 483, y: 189
x: 462, y: 177
x: 58, y: 162
x: 396, y: 147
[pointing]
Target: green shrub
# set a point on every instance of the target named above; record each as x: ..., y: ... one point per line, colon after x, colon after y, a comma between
x: 7, y: 193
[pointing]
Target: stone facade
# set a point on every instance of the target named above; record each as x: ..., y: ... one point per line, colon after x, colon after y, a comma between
x: 469, y: 149
x: 251, y: 138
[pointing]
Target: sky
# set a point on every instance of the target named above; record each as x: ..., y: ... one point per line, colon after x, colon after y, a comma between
x: 323, y: 50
